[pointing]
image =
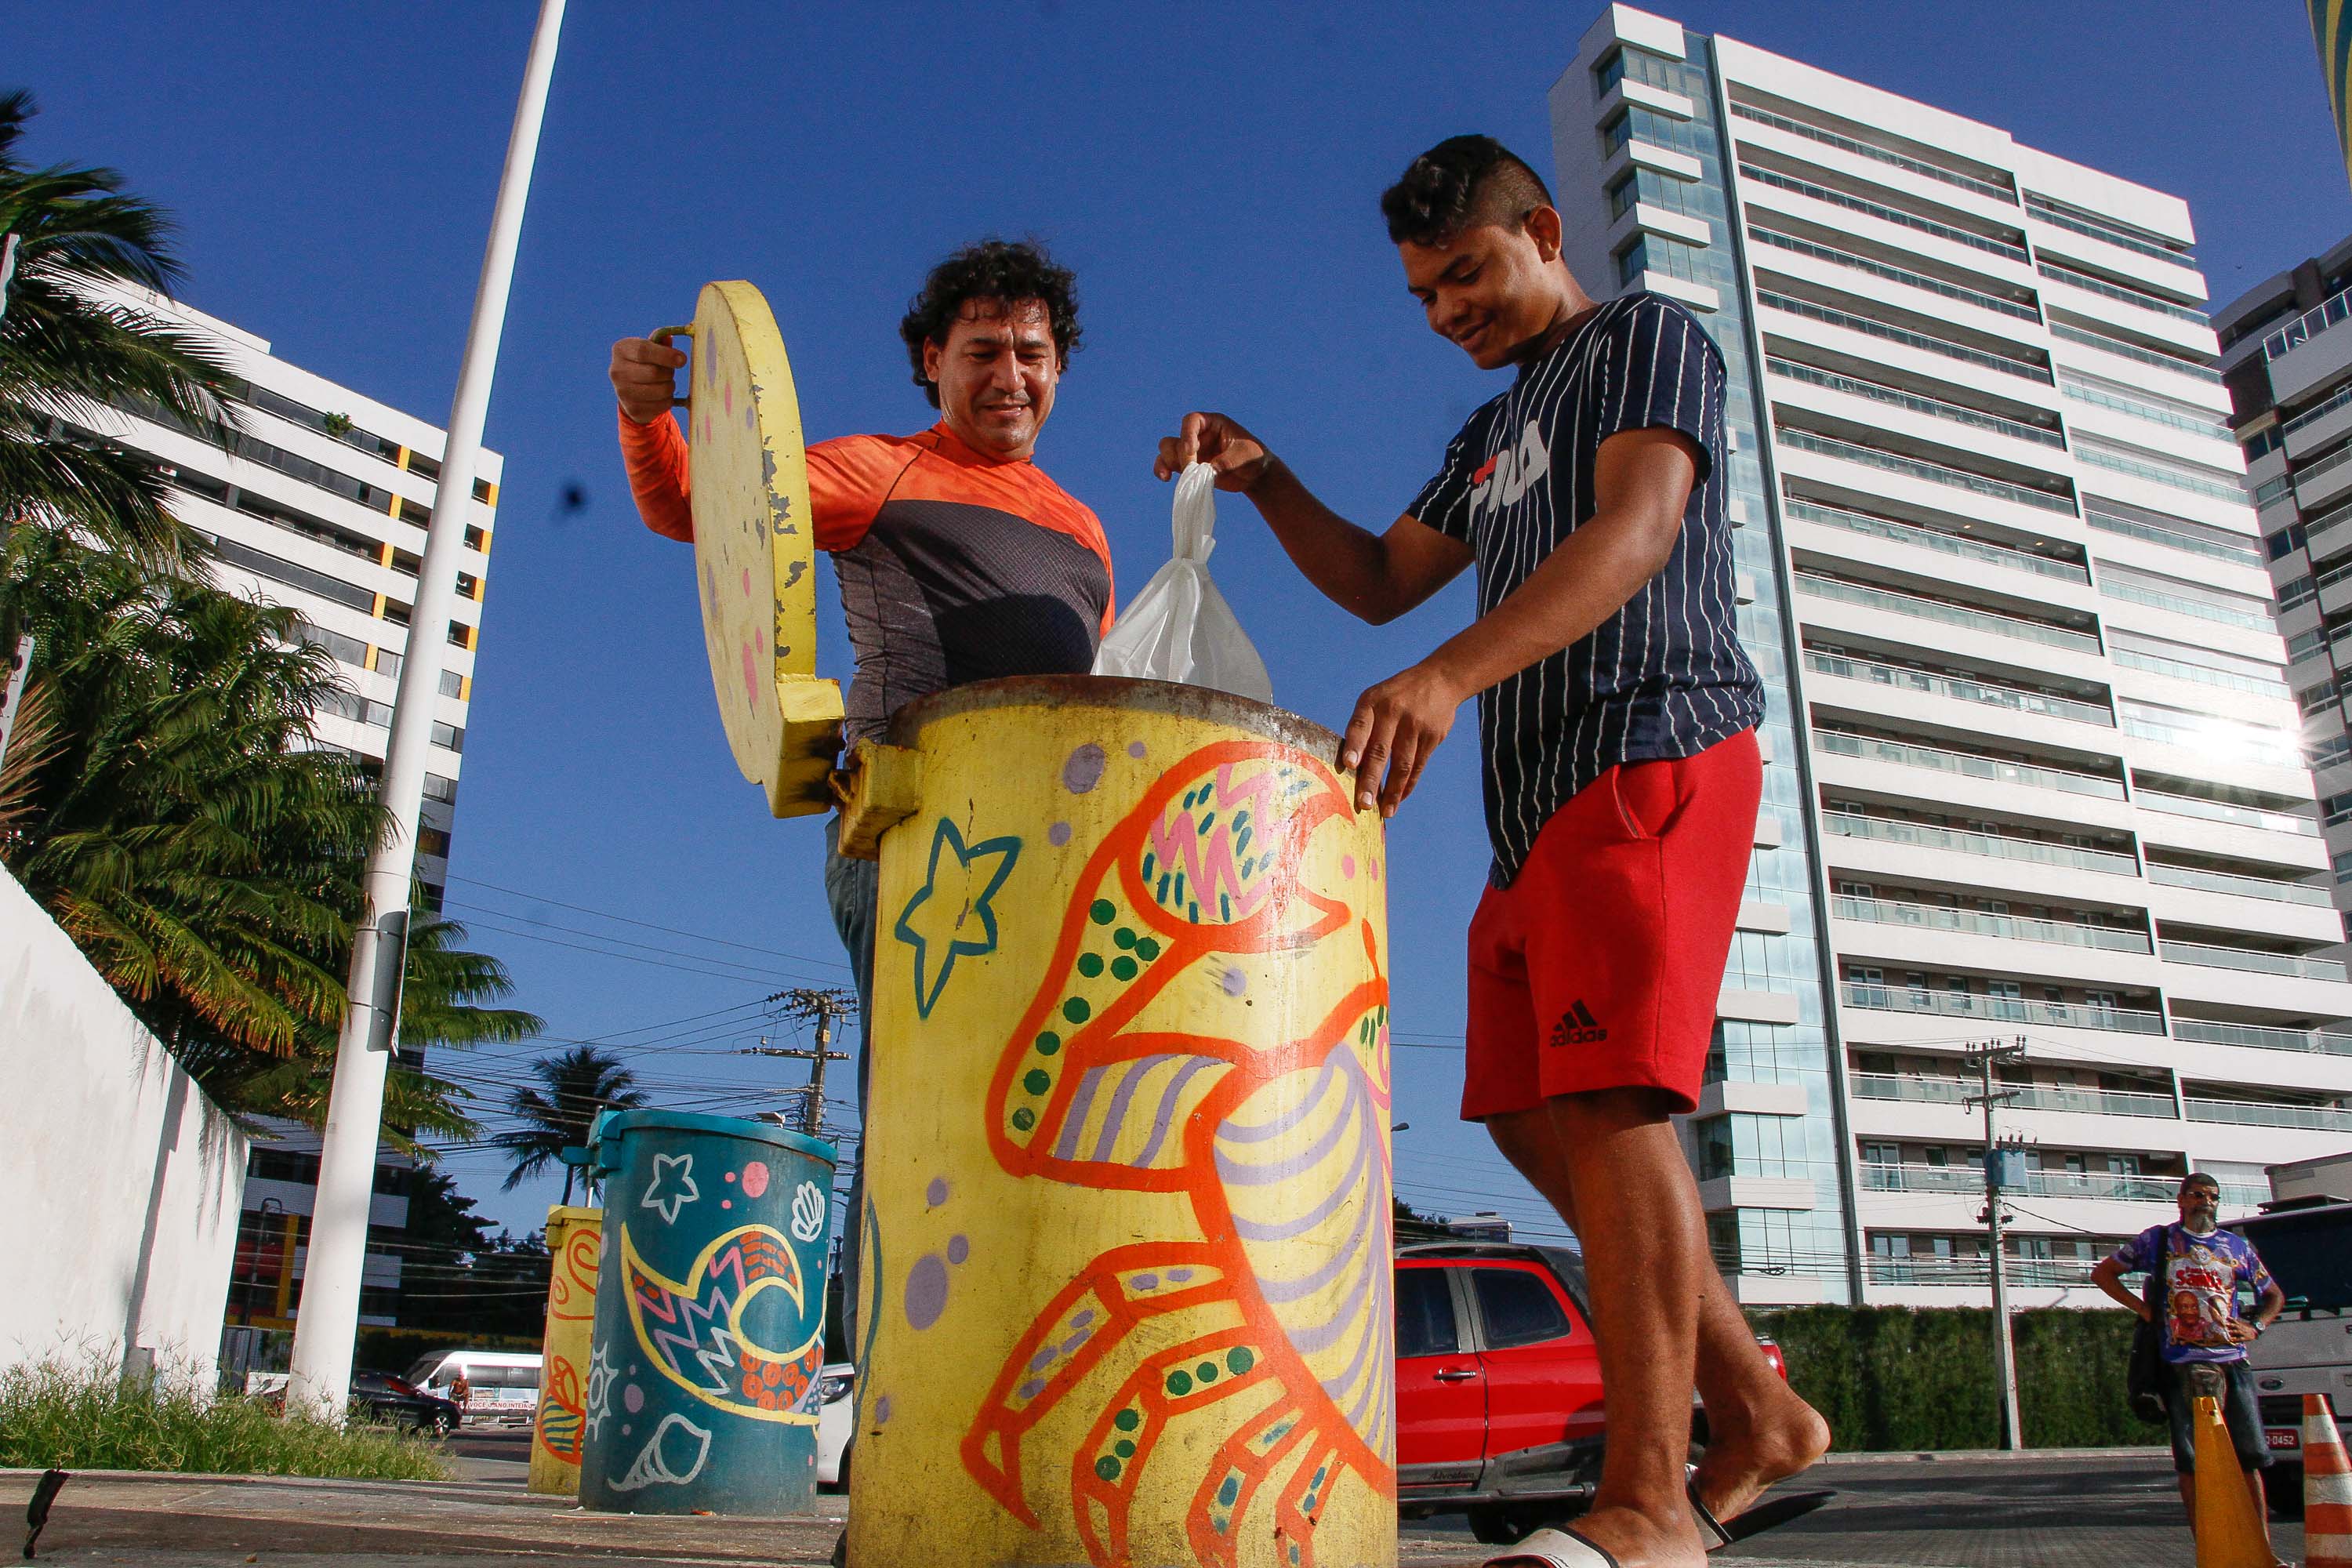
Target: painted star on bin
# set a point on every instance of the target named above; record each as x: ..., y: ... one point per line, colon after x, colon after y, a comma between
x: 950, y: 916
x: 665, y: 1196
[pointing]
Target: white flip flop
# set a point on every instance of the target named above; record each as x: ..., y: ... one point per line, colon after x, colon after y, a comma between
x: 1559, y: 1548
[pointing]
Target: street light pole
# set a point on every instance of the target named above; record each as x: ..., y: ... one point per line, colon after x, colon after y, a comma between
x: 328, y: 1323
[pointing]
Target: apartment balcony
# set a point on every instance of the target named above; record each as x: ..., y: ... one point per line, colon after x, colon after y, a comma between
x: 2308, y: 352
x: 2321, y: 484
x: 1970, y: 1180
x: 1960, y: 689
x: 2064, y: 234
x: 2320, y: 424
x: 2141, y: 314
x: 1970, y: 782
x: 1871, y: 480
x: 2250, y: 819
x: 2010, y: 1011
x: 1813, y: 582
x: 2256, y: 960
x: 1923, y: 330
x: 2017, y: 369
x: 1881, y: 849
x: 1821, y: 205
x: 2112, y: 359
x: 2259, y: 906
x: 1910, y: 1089
x: 1976, y: 1273
x: 1933, y: 473
x: 2328, y: 1042
x: 2316, y: 1117
x: 1807, y: 522
x: 2231, y: 976
x: 2216, y: 751
x: 1849, y: 261
x: 1978, y: 923
x: 1788, y: 141
x: 1875, y: 403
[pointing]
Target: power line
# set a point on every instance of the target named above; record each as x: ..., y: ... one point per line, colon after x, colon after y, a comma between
x: 648, y: 925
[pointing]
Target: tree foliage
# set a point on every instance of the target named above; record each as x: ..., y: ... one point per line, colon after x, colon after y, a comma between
x: 165, y: 796
x: 573, y: 1087
x: 75, y: 343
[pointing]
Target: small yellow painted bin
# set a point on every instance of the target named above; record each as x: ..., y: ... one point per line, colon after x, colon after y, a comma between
x: 575, y: 1242
x: 1127, y: 1239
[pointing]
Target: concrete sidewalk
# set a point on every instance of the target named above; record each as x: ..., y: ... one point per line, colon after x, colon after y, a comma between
x: 198, y: 1521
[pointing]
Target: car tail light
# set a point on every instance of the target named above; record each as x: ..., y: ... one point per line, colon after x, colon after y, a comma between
x: 1772, y: 1354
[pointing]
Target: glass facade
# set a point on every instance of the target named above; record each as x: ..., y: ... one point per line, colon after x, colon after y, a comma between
x: 1811, y: 1242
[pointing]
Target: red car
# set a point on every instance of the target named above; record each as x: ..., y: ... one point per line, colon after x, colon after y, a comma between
x: 1498, y: 1385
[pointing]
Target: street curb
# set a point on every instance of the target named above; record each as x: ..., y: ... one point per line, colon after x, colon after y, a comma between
x: 1910, y: 1457
x: 258, y: 1478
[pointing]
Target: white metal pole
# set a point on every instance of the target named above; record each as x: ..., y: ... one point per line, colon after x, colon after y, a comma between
x: 328, y: 1321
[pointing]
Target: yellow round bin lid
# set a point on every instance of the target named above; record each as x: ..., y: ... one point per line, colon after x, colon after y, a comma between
x: 754, y: 551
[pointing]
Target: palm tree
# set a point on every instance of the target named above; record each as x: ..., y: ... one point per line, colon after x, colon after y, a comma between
x: 576, y: 1084
x: 204, y: 852
x: 74, y: 341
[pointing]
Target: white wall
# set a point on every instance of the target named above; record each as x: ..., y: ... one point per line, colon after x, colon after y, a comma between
x: 119, y: 1180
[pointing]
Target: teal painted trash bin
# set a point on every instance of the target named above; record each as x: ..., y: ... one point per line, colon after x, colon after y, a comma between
x: 702, y: 1374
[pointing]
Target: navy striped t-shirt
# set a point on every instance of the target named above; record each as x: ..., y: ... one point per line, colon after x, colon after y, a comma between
x: 1663, y: 677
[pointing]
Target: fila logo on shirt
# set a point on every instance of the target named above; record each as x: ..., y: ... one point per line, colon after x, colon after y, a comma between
x: 1508, y: 475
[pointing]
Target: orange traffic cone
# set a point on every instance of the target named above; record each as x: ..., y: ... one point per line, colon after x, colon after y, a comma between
x: 2229, y: 1532
x: 2327, y: 1489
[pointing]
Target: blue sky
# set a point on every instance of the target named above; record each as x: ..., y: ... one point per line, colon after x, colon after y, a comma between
x: 1210, y: 172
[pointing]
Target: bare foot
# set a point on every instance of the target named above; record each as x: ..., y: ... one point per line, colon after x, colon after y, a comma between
x: 1743, y: 1457
x: 1639, y: 1541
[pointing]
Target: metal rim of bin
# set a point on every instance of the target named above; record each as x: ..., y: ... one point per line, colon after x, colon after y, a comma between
x: 1167, y: 697
x: 613, y: 1127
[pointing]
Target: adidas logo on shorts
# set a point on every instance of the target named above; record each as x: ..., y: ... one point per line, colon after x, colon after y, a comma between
x: 1578, y: 1026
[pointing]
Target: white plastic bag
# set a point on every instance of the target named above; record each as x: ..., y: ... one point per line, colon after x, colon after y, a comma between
x: 1179, y: 628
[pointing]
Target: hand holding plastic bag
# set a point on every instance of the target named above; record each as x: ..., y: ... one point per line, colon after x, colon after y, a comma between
x: 1179, y: 628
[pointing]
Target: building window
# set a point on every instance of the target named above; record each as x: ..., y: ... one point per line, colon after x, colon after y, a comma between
x: 1656, y: 70
x: 1652, y: 189
x: 1645, y: 125
x: 1655, y: 253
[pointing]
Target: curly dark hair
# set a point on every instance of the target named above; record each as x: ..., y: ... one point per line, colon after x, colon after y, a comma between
x: 1000, y: 270
x: 1461, y: 183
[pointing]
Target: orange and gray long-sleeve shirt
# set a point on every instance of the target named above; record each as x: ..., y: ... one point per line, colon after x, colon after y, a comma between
x: 954, y: 567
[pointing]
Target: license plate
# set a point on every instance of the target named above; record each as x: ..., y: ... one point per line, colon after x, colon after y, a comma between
x: 2286, y: 1438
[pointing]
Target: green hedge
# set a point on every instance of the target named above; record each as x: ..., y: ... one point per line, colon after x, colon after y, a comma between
x: 1922, y: 1378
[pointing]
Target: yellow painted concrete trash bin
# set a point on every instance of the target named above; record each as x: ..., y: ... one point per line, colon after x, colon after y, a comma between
x: 1127, y: 1260
x: 575, y: 1245
x: 1126, y: 1278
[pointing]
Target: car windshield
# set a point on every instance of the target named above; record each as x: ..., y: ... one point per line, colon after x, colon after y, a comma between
x: 2309, y: 1253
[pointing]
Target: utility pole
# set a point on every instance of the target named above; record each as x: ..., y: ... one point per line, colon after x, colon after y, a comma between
x: 2004, y: 1357
x: 822, y: 1008
x: 327, y: 1323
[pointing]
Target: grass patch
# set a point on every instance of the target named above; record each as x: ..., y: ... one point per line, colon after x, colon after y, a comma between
x: 86, y: 1415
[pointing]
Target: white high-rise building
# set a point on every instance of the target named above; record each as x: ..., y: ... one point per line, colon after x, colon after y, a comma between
x: 320, y: 506
x: 2034, y: 765
x: 2288, y: 370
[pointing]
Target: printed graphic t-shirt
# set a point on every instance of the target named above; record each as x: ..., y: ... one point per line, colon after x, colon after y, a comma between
x: 1663, y: 677
x: 954, y: 567
x: 2199, y: 1297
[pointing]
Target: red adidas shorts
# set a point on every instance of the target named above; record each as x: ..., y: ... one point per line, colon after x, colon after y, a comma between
x: 1600, y: 965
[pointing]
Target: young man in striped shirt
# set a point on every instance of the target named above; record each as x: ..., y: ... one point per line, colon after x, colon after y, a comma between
x: 1616, y: 714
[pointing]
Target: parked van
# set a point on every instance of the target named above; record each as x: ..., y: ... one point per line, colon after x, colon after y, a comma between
x: 2304, y: 1236
x: 503, y: 1385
